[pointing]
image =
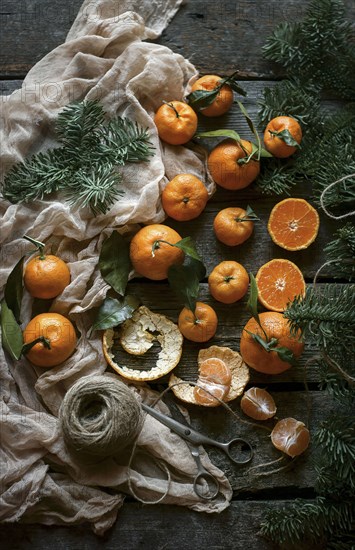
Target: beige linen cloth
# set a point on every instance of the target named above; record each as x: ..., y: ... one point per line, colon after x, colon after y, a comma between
x: 104, y: 57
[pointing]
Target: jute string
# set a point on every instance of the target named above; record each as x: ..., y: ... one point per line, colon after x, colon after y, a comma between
x: 100, y: 416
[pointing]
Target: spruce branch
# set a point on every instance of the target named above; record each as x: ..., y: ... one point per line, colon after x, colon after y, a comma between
x: 85, y: 166
x: 341, y: 252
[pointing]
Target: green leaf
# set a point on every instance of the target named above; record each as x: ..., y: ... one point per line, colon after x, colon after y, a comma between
x: 285, y: 354
x: 188, y: 246
x: 220, y: 133
x: 252, y: 303
x: 14, y: 289
x: 184, y: 280
x: 114, y: 262
x: 250, y: 216
x: 200, y: 99
x: 11, y: 334
x: 234, y: 85
x: 286, y: 136
x: 114, y: 312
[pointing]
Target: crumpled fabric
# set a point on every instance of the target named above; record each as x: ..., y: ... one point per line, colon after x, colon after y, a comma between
x: 104, y: 57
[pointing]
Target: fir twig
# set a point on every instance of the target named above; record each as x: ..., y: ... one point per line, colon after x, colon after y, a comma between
x: 84, y: 167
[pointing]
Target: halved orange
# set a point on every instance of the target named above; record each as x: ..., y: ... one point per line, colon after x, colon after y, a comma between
x: 293, y: 224
x: 279, y: 282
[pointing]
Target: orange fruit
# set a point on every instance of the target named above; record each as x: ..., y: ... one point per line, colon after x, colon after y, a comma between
x: 279, y: 282
x: 225, y: 169
x: 276, y: 145
x: 275, y: 325
x: 228, y: 282
x: 214, y: 376
x: 150, y: 256
x: 200, y: 325
x: 184, y: 197
x: 46, y: 276
x: 258, y: 404
x: 176, y: 122
x: 232, y: 227
x: 60, y: 333
x: 293, y: 224
x: 224, y: 99
x: 290, y: 436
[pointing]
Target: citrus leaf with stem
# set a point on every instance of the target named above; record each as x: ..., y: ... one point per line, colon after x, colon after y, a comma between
x: 260, y: 152
x: 220, y: 133
x: 286, y: 136
x: 14, y: 289
x: 184, y: 280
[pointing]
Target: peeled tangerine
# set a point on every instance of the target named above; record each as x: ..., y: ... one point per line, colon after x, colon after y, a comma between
x: 222, y: 376
x: 258, y: 404
x: 290, y: 436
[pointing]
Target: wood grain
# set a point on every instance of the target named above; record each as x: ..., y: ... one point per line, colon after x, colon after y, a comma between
x: 156, y: 527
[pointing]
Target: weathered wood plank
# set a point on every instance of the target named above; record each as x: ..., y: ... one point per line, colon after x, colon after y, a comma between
x: 232, y: 319
x: 156, y: 527
x: 218, y: 37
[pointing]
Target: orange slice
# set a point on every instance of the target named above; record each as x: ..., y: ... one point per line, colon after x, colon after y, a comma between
x: 258, y: 404
x: 293, y: 224
x: 279, y: 282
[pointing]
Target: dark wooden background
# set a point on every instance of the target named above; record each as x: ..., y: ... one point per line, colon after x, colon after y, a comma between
x: 218, y: 36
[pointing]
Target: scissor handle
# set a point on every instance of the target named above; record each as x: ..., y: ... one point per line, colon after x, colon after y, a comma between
x: 238, y: 450
x: 206, y: 486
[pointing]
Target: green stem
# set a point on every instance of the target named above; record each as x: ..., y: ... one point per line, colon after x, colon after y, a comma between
x: 39, y: 246
x: 41, y: 339
x: 172, y: 107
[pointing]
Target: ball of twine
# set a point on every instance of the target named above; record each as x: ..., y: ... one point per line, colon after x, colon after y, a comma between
x: 100, y: 416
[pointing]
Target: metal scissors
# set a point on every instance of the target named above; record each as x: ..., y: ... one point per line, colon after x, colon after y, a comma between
x: 205, y: 485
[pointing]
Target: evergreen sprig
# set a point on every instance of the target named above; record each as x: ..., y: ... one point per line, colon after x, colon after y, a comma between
x: 318, y: 56
x: 84, y: 167
x: 341, y: 253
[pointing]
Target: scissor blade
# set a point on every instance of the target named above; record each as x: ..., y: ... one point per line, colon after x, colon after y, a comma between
x: 181, y: 429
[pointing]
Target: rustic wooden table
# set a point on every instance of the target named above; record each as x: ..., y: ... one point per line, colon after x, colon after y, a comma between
x: 218, y: 36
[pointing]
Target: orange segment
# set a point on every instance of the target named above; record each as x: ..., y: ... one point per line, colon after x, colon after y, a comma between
x: 290, y: 436
x: 258, y: 404
x: 215, y: 377
x: 279, y: 282
x: 293, y: 224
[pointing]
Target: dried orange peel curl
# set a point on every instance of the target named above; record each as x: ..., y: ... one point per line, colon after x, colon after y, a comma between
x: 137, y: 335
x: 218, y: 385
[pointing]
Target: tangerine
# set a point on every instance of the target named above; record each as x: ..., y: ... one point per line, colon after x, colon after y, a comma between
x: 293, y: 224
x: 275, y: 326
x: 200, y: 325
x: 184, y: 197
x: 215, y: 377
x: 224, y: 100
x: 228, y: 167
x: 274, y: 140
x: 279, y: 282
x: 232, y: 226
x: 290, y: 436
x: 228, y: 282
x: 258, y: 404
x: 60, y: 335
x: 46, y: 276
x: 152, y: 253
x: 176, y: 122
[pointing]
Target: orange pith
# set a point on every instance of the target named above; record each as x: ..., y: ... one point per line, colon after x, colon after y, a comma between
x: 290, y: 436
x: 258, y: 404
x: 176, y: 122
x: 214, y: 376
x: 293, y: 224
x: 224, y: 99
x: 184, y: 197
x: 200, y: 325
x: 154, y: 264
x: 46, y: 277
x: 58, y: 330
x: 279, y: 282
